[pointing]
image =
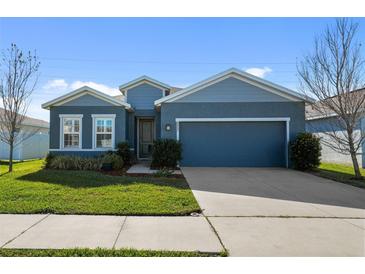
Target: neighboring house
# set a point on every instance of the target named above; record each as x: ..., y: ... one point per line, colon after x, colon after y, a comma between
x: 36, y: 146
x: 319, y: 124
x: 230, y: 119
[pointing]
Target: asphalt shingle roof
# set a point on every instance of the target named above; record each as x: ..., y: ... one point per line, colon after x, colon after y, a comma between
x: 29, y: 121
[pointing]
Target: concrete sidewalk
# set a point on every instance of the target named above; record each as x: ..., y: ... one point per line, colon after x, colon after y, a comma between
x: 71, y: 231
x: 242, y: 236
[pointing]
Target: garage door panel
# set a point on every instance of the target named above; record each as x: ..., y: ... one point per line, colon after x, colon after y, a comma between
x: 251, y: 144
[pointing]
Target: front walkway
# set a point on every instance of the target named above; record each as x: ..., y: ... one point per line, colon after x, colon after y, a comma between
x: 71, y: 231
x: 143, y: 167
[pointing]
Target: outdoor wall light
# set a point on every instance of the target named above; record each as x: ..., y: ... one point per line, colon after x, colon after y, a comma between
x: 167, y: 127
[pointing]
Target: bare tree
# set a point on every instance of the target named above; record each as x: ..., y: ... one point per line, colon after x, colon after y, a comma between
x: 17, y: 82
x: 334, y: 75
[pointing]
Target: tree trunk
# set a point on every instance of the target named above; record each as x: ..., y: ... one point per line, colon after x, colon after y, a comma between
x: 355, y: 163
x: 11, y: 157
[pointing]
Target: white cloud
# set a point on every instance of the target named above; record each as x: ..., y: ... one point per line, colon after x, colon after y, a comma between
x: 100, y: 87
x: 259, y: 72
x: 58, y: 87
x: 61, y: 85
x: 56, y: 84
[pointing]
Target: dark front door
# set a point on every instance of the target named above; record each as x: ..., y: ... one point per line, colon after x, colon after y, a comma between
x: 145, y: 138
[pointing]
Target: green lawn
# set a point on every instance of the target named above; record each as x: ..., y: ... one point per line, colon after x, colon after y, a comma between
x: 341, y: 173
x: 99, y: 252
x: 31, y: 189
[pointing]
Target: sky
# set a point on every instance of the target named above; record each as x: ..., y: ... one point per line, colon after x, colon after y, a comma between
x: 107, y: 52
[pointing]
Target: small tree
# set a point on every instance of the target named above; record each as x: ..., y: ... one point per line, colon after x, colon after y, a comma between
x: 334, y: 75
x: 17, y: 82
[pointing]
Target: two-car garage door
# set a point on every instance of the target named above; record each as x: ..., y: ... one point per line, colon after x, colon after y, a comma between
x: 233, y: 143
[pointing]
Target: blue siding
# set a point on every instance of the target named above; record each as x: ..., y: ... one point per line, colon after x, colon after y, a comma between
x: 35, y: 146
x: 232, y: 90
x: 245, y: 144
x: 320, y: 126
x: 143, y: 96
x: 87, y: 100
x: 323, y: 125
x: 293, y: 110
x: 5, y: 151
x: 120, y: 123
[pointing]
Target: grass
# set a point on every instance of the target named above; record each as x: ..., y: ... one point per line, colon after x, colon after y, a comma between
x: 340, y: 173
x: 100, y: 252
x: 31, y: 189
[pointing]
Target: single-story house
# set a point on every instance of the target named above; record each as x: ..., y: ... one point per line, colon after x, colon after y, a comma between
x: 319, y: 124
x: 34, y: 147
x: 230, y: 119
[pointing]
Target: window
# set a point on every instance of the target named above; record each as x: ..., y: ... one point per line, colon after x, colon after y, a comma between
x: 70, y: 131
x: 104, y: 131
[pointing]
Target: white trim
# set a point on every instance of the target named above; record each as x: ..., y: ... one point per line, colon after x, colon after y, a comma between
x: 82, y: 91
x: 142, y: 80
x: 321, y: 116
x: 62, y: 135
x: 241, y: 75
x: 33, y: 125
x: 81, y: 149
x: 256, y: 119
x: 102, y: 116
x: 71, y: 115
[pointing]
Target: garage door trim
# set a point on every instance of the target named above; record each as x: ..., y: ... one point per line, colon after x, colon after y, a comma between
x: 258, y: 119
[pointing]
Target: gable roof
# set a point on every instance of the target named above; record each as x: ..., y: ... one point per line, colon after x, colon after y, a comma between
x: 29, y: 121
x: 241, y: 75
x: 82, y: 91
x: 142, y: 80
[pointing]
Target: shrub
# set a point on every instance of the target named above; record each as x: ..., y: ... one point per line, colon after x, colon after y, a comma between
x: 166, y: 153
x: 115, y: 160
x: 48, y: 160
x: 124, y: 152
x: 164, y: 172
x: 305, y: 151
x: 69, y: 162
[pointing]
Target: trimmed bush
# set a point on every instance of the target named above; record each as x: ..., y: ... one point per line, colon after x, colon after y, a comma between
x: 48, y: 160
x: 115, y: 160
x: 166, y: 153
x: 305, y: 151
x: 124, y: 152
x: 70, y: 162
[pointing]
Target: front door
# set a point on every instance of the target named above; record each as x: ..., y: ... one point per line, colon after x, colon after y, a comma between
x: 145, y: 138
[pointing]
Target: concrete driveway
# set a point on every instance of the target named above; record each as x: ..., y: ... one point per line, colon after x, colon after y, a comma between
x: 272, y: 192
x: 280, y: 212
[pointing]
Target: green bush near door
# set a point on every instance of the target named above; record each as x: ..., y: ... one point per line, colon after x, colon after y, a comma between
x: 166, y: 153
x: 124, y: 152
